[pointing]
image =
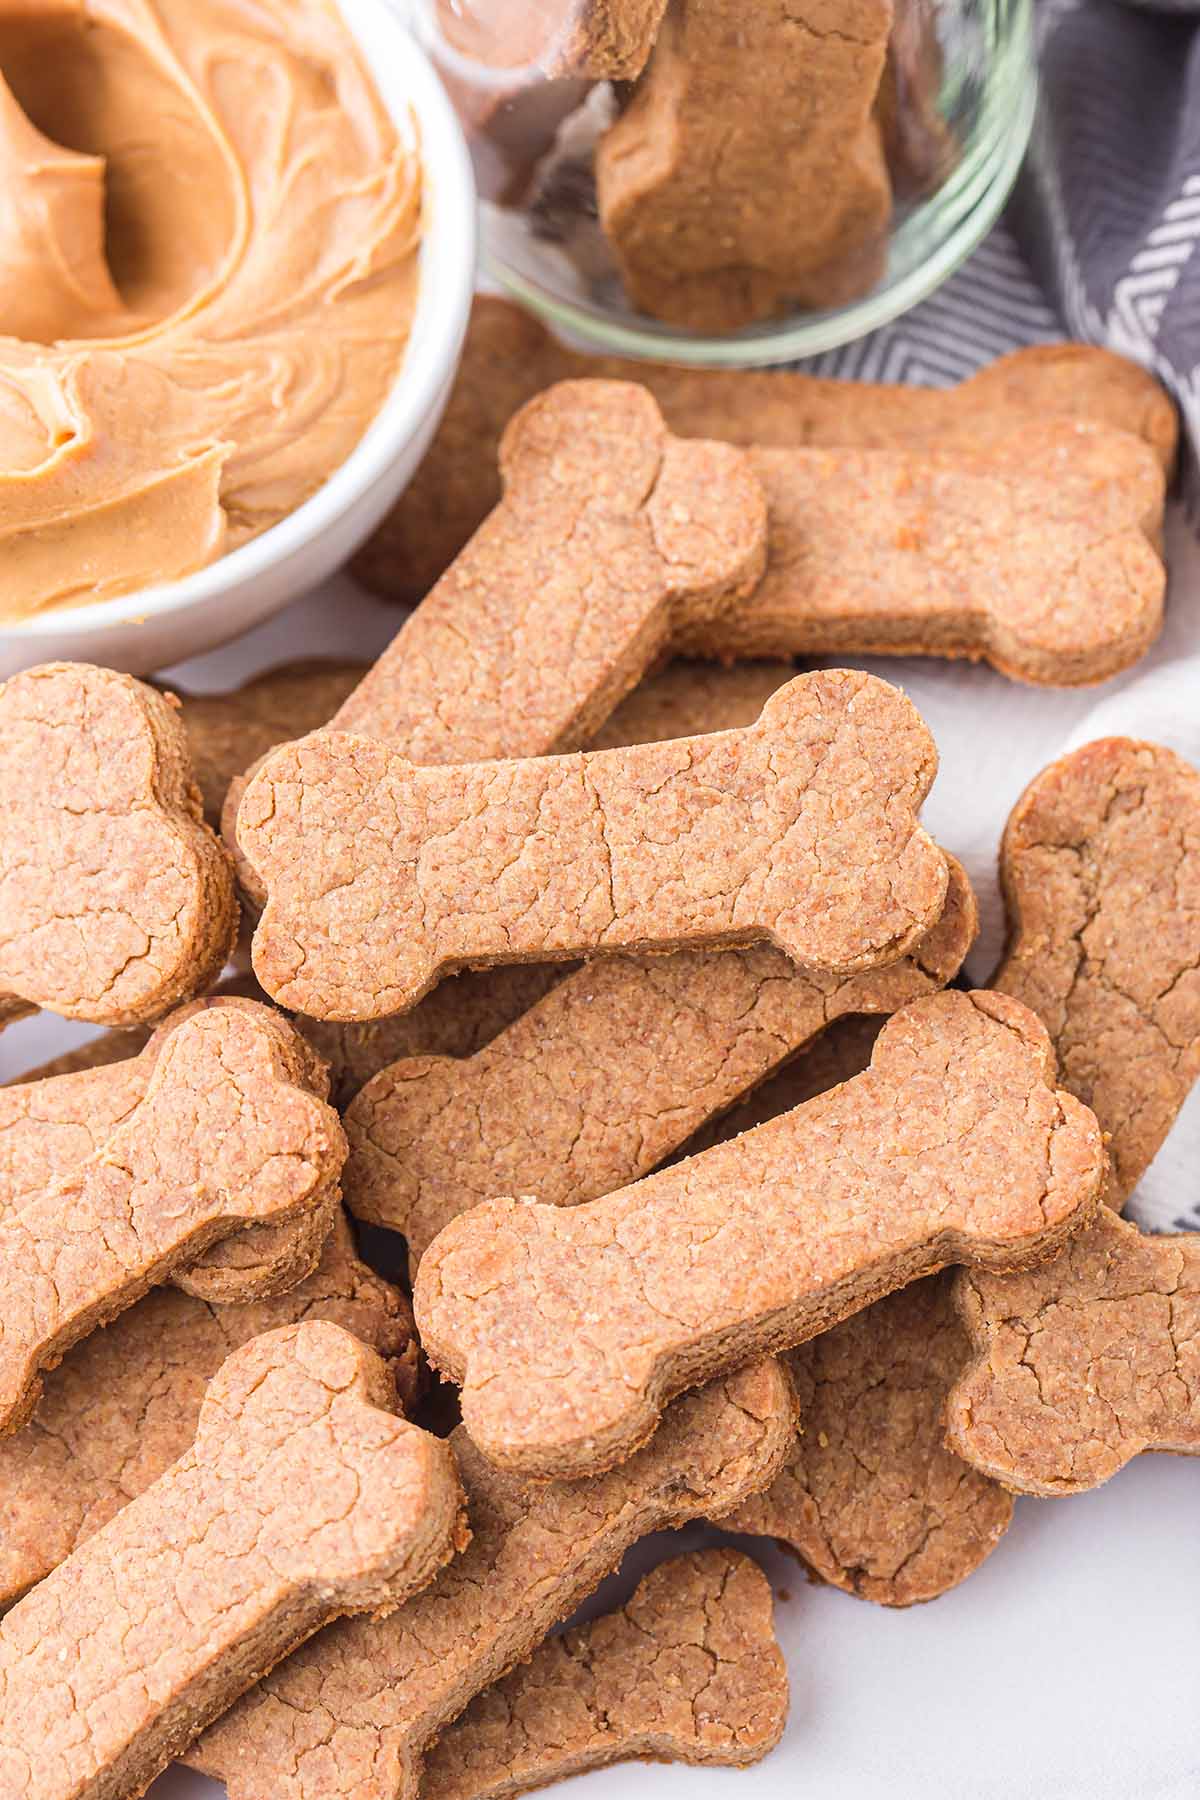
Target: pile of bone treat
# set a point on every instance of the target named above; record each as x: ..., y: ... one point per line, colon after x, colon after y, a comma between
x: 599, y: 953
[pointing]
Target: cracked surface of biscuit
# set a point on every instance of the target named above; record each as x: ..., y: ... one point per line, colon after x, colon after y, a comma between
x: 351, y: 1716
x: 1082, y: 1365
x: 569, y: 1328
x: 801, y: 830
x: 602, y: 1079
x: 1100, y: 866
x: 122, y: 1406
x: 225, y: 1136
x: 118, y: 900
x: 687, y: 1671
x: 302, y: 1498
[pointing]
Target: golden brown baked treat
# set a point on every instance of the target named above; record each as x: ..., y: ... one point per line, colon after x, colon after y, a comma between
x: 302, y: 1499
x: 122, y: 1406
x: 569, y: 1328
x: 1036, y: 555
x: 1082, y: 1365
x: 510, y: 356
x: 1101, y: 872
x: 611, y: 538
x: 800, y: 830
x: 687, y: 1671
x: 602, y: 1079
x: 119, y: 902
x: 611, y: 40
x: 714, y: 228
x: 351, y: 1716
x: 228, y: 732
x: 871, y: 1498
x: 225, y: 1135
x: 58, y: 1119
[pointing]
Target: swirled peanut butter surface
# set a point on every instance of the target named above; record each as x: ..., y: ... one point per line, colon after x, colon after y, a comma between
x: 208, y: 251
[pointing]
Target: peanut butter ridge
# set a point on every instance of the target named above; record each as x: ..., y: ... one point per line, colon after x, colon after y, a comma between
x: 210, y: 247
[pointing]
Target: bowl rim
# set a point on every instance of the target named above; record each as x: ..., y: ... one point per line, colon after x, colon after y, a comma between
x: 418, y: 103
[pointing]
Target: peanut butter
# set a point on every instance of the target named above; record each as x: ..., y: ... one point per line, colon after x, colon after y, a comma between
x: 208, y: 238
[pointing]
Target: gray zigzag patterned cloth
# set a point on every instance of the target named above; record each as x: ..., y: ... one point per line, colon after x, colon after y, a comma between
x: 1102, y: 239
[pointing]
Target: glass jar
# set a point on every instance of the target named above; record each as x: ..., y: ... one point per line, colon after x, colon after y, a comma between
x: 763, y: 189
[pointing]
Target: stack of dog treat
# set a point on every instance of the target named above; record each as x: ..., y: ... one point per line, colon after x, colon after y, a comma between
x: 625, y: 987
x: 711, y: 229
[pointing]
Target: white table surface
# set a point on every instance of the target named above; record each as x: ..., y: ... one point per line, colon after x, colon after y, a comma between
x: 1068, y: 1666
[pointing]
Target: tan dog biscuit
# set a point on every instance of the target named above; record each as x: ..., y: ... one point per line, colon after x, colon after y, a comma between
x: 510, y: 356
x: 352, y: 1715
x: 687, y: 1671
x: 52, y: 1126
x: 872, y: 1500
x: 228, y: 732
x: 801, y: 829
x: 1101, y: 871
x: 223, y: 1137
x: 123, y: 1406
x: 714, y: 229
x: 607, y: 1075
x: 1033, y: 555
x: 1083, y: 1365
x: 118, y: 901
x: 569, y: 1328
x: 301, y: 1499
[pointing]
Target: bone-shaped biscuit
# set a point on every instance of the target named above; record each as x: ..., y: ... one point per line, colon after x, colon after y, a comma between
x: 223, y: 1137
x: 123, y: 1406
x: 871, y: 1499
x: 1101, y: 872
x: 612, y: 536
x: 687, y: 1671
x: 714, y: 229
x: 569, y: 1328
x: 801, y: 829
x: 601, y: 1080
x: 1082, y: 1365
x: 1033, y: 555
x: 509, y: 356
x: 53, y: 1125
x: 117, y: 900
x: 351, y: 1716
x: 302, y: 1499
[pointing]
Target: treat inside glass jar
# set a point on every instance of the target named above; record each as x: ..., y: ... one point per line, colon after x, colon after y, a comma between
x: 699, y: 171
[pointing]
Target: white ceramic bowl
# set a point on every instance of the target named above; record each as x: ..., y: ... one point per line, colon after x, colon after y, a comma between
x: 161, y: 625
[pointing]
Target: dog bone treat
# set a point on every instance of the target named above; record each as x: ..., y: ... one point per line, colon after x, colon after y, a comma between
x: 510, y: 357
x: 714, y: 229
x: 872, y: 1500
x: 1032, y: 555
x: 802, y: 829
x: 351, y: 1716
x: 224, y: 1137
x: 52, y: 1126
x: 687, y: 1671
x: 569, y: 1328
x: 118, y: 901
x: 123, y: 1406
x: 1081, y: 1366
x: 303, y: 1498
x: 609, y: 1073
x: 228, y: 732
x: 1101, y: 871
